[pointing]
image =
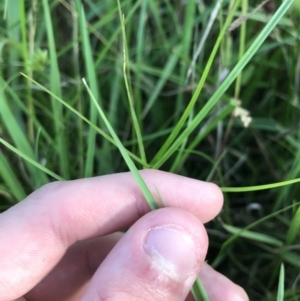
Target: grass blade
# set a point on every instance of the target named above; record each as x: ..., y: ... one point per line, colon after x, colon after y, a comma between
x: 62, y: 146
x: 253, y: 235
x: 19, y: 138
x: 280, y: 293
x: 92, y: 78
x: 31, y: 161
x: 198, y: 291
x: 10, y: 179
x: 128, y: 89
x: 168, y: 70
x: 146, y: 192
x: 260, y: 187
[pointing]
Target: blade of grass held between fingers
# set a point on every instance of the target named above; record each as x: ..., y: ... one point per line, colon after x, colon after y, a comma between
x: 294, y: 228
x: 168, y: 149
x: 144, y: 188
x: 198, y: 291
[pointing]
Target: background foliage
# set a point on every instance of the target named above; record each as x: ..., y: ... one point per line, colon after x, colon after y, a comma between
x: 168, y: 50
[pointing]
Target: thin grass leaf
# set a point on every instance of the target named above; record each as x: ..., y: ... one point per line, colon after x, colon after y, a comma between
x: 144, y: 188
x: 292, y: 258
x: 31, y: 161
x: 55, y: 83
x: 294, y: 229
x: 167, y: 149
x: 187, y: 32
x: 204, y: 37
x: 253, y: 235
x: 10, y: 179
x: 242, y: 43
x: 207, y: 128
x: 5, y: 9
x: 199, y: 292
x: 128, y: 89
x: 236, y: 23
x: 167, y: 72
x: 154, y: 9
x: 18, y: 136
x: 21, y: 107
x: 13, y: 25
x: 280, y: 293
x: 141, y: 38
x: 293, y: 172
x: 92, y: 78
x: 116, y: 33
x: 260, y: 187
x: 161, y: 198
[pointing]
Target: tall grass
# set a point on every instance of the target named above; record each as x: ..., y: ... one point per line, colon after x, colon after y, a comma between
x: 170, y: 85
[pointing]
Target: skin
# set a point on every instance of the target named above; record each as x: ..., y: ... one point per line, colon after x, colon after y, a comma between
x: 63, y: 241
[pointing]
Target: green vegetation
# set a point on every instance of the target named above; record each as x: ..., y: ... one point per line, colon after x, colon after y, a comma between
x: 206, y: 89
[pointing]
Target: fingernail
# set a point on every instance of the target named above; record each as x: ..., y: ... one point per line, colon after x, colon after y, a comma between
x: 172, y: 250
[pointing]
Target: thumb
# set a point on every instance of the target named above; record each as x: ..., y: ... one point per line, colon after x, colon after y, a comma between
x: 157, y: 259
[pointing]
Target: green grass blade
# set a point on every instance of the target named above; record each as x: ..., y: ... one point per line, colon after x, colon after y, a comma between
x: 207, y: 129
x: 294, y: 229
x: 280, y: 293
x: 18, y: 136
x: 21, y: 107
x: 260, y: 187
x: 55, y: 81
x: 92, y: 78
x: 167, y: 72
x: 13, y: 31
x: 5, y: 9
x: 145, y: 190
x: 167, y: 150
x: 253, y: 235
x: 141, y: 38
x: 116, y: 33
x: 291, y: 258
x: 135, y: 121
x: 10, y: 179
x: 31, y: 161
x: 161, y: 199
x: 198, y: 291
x: 241, y: 49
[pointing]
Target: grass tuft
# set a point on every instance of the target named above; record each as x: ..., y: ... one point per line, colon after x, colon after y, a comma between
x: 205, y: 89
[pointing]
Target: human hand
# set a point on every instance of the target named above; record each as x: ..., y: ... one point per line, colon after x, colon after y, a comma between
x: 61, y: 243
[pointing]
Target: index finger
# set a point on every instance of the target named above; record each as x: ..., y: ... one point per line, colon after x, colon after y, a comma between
x: 36, y: 233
